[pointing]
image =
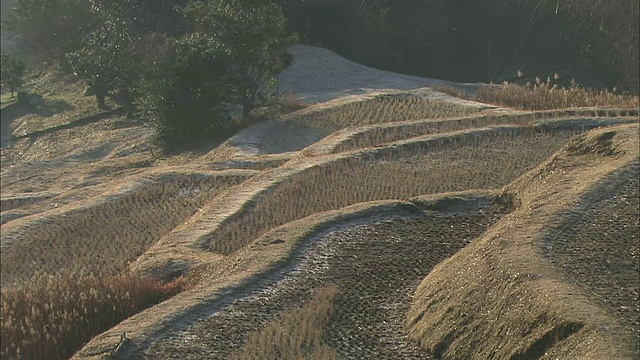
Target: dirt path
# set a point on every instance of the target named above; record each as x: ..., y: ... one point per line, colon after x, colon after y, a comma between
x: 376, y: 268
x: 319, y: 75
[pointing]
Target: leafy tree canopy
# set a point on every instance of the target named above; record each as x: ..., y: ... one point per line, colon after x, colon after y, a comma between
x: 13, y: 70
x: 230, y: 53
x: 104, y: 60
x: 49, y: 29
x: 252, y: 35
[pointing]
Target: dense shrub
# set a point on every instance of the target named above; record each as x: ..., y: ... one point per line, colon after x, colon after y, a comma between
x: 13, y: 71
x: 229, y: 55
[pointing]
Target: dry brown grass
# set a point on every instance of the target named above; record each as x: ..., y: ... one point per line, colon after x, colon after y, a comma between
x: 383, y: 260
x: 436, y: 147
x: 500, y: 292
x: 453, y: 92
x: 380, y: 109
x: 54, y: 316
x: 56, y: 100
x: 277, y: 106
x: 275, y: 249
x: 288, y: 103
x: 480, y: 159
x: 544, y: 95
x: 536, y: 328
x: 374, y: 135
x: 298, y: 334
x: 106, y: 233
x: 595, y: 243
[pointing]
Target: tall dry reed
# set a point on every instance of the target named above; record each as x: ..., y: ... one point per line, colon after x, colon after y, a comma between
x: 545, y: 95
x: 54, y: 316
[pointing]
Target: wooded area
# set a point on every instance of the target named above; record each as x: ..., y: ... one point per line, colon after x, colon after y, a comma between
x: 593, y: 41
x: 174, y: 58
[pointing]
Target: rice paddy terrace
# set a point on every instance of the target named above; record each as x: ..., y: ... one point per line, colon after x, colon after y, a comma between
x: 401, y: 225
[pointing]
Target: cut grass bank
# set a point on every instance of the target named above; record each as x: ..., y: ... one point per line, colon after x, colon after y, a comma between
x: 500, y: 292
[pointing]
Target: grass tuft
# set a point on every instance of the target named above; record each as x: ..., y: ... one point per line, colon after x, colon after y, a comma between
x: 299, y: 334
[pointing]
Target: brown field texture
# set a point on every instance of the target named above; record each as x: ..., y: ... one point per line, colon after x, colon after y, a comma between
x: 401, y: 226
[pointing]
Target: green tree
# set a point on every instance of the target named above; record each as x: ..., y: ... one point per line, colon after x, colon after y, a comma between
x: 106, y: 59
x: 231, y: 52
x: 183, y: 93
x: 49, y: 29
x: 116, y: 51
x: 252, y: 36
x: 13, y: 70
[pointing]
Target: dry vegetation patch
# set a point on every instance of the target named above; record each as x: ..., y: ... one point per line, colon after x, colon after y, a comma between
x: 441, y: 164
x: 54, y: 316
x: 54, y: 100
x: 19, y: 200
x: 299, y: 334
x: 546, y: 95
x: 596, y: 244
x: 262, y: 290
x: 228, y: 278
x: 375, y: 266
x: 501, y: 293
x: 105, y: 234
x: 367, y: 136
x: 75, y: 157
x: 383, y: 108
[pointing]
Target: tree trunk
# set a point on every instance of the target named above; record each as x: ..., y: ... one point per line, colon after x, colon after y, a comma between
x: 128, y: 102
x: 247, y: 106
x: 100, y: 96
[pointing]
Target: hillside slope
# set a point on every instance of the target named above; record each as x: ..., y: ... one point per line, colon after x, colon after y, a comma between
x: 516, y: 292
x: 395, y: 222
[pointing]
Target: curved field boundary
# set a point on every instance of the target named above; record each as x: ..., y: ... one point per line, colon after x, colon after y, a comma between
x: 14, y: 201
x: 376, y: 266
x: 384, y: 106
x: 255, y: 216
x: 263, y: 162
x: 500, y: 292
x: 272, y: 198
x: 164, y: 317
x: 270, y: 256
x: 97, y: 233
x: 373, y: 135
x: 302, y: 128
x: 595, y: 245
x: 380, y: 109
x: 145, y: 328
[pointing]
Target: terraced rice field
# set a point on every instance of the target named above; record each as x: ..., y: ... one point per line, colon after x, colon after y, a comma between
x: 375, y: 268
x: 487, y: 161
x: 344, y: 247
x: 96, y: 236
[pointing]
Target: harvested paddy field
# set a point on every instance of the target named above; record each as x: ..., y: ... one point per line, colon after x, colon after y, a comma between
x: 374, y: 269
x: 393, y: 223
